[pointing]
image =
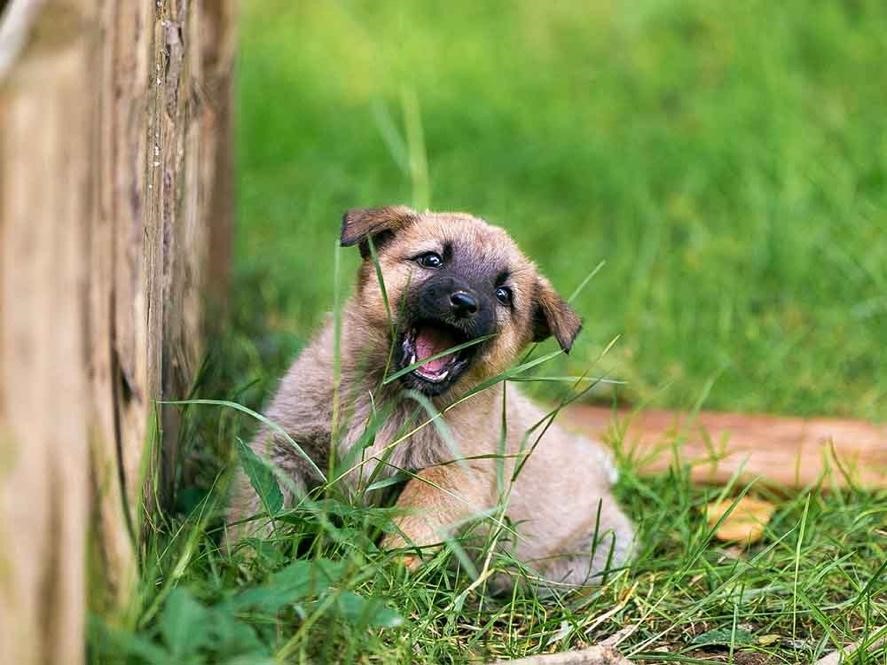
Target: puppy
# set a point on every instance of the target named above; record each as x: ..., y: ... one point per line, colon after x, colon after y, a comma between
x: 469, y: 444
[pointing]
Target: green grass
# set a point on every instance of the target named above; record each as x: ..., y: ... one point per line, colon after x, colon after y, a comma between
x: 320, y: 590
x: 726, y: 161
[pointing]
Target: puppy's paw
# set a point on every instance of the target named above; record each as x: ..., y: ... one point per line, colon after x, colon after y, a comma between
x: 409, y: 561
x: 406, y: 553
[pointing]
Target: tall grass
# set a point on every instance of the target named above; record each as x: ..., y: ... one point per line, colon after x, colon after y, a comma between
x: 319, y: 589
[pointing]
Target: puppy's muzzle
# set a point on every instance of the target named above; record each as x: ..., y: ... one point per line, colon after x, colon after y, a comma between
x: 455, y: 302
x: 440, y: 314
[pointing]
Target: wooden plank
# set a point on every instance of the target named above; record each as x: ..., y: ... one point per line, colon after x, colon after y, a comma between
x: 44, y: 405
x: 785, y: 451
x: 114, y: 131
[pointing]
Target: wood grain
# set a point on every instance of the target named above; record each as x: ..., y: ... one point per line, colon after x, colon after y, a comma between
x: 786, y: 451
x: 114, y: 219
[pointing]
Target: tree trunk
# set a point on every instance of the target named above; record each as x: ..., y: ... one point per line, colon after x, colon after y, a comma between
x: 114, y: 221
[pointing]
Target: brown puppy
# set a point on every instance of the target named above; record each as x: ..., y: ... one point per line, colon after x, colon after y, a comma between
x: 448, y: 279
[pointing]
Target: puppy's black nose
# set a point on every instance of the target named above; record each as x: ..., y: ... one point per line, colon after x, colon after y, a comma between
x: 464, y: 304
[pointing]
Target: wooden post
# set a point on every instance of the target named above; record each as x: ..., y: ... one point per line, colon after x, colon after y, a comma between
x: 114, y: 217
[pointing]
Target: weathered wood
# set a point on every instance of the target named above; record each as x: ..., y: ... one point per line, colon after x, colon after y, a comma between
x: 789, y: 452
x: 114, y: 220
x: 44, y: 405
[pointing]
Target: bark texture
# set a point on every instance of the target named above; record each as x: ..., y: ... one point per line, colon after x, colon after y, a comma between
x: 114, y: 220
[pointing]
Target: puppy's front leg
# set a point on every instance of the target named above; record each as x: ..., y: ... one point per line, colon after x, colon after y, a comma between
x: 437, y: 501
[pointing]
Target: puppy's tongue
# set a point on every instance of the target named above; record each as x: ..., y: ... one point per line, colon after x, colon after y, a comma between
x: 430, y: 341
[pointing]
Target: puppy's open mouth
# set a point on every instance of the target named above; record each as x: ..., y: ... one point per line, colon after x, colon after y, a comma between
x: 429, y: 341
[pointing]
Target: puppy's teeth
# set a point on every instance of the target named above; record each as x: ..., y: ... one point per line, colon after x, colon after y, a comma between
x: 412, y: 359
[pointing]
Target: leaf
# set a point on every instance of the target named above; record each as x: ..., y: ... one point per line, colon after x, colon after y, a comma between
x: 298, y: 581
x: 250, y: 659
x: 185, y: 624
x: 108, y: 644
x: 745, y: 522
x: 366, y: 612
x: 304, y: 580
x: 398, y: 477
x: 231, y: 636
x: 723, y: 637
x: 261, y: 477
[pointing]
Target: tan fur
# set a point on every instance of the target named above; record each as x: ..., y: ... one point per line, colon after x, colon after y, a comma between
x: 562, y: 496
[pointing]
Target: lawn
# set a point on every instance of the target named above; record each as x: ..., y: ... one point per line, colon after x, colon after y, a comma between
x: 725, y: 162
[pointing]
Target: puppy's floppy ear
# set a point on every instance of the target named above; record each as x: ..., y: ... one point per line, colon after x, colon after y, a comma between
x: 380, y: 224
x: 553, y: 316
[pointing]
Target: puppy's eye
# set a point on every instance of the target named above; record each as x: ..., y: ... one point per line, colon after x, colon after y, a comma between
x: 503, y: 295
x: 429, y: 260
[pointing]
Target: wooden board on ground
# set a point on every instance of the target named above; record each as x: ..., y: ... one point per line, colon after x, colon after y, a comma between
x: 785, y: 451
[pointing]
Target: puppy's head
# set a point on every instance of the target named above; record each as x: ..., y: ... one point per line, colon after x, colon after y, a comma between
x: 449, y: 279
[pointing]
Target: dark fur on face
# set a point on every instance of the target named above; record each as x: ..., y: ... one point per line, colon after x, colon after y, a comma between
x: 452, y: 279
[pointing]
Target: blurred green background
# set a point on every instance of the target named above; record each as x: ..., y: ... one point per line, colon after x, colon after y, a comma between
x: 726, y: 160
